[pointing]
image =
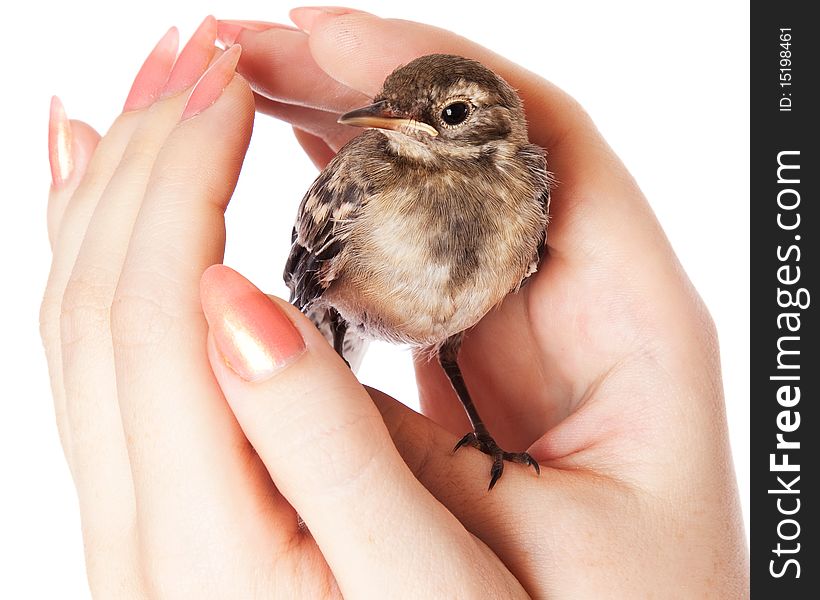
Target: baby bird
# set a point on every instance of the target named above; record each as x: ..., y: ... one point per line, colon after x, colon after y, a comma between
x: 426, y: 221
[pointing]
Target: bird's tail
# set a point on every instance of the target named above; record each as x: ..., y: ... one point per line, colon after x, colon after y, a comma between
x: 355, y: 346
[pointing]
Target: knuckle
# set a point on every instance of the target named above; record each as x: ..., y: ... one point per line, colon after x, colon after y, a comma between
x: 139, y: 317
x: 85, y: 305
x: 138, y: 161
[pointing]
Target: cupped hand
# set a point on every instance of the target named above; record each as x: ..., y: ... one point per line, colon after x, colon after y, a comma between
x: 605, y: 367
x: 179, y: 495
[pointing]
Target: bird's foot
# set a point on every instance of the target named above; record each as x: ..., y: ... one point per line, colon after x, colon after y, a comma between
x: 484, y: 442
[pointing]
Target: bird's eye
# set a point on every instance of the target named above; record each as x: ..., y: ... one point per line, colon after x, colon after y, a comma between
x: 455, y: 113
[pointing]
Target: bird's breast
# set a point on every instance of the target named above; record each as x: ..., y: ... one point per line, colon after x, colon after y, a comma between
x: 424, y: 262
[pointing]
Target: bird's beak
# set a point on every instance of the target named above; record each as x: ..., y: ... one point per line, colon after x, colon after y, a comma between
x: 378, y: 116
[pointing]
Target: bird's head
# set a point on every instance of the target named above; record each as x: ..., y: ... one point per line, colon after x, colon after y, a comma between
x: 442, y: 105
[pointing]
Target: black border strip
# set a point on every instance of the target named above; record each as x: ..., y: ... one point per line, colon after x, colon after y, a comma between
x: 784, y: 394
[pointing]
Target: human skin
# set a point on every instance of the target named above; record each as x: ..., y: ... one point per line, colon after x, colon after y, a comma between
x: 191, y: 470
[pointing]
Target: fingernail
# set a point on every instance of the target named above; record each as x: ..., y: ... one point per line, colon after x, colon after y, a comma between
x: 59, y: 143
x: 154, y: 73
x: 211, y: 85
x: 252, y: 334
x: 194, y: 58
x: 228, y: 30
x: 305, y: 16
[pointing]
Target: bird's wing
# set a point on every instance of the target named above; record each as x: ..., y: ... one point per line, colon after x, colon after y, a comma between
x: 320, y: 233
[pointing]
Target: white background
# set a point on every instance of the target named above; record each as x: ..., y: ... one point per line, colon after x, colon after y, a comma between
x: 667, y: 83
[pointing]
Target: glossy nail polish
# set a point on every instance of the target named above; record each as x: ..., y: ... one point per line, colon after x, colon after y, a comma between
x: 213, y: 82
x: 194, y: 58
x: 154, y: 73
x: 59, y: 143
x: 254, y: 337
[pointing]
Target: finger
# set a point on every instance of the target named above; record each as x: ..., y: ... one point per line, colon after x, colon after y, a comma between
x: 319, y: 123
x: 88, y: 363
x: 184, y: 447
x: 106, y: 500
x: 315, y: 147
x: 75, y: 214
x: 74, y: 219
x: 279, y: 66
x: 326, y: 446
x: 88, y: 372
x: 70, y: 147
x: 194, y: 59
x: 228, y: 30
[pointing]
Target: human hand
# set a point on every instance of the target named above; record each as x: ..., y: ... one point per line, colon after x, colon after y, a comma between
x: 605, y: 368
x: 174, y: 499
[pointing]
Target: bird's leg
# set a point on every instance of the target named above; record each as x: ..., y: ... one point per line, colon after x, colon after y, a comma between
x: 479, y: 437
x: 339, y: 328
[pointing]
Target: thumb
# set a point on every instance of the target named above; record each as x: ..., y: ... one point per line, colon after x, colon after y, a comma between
x: 323, y: 440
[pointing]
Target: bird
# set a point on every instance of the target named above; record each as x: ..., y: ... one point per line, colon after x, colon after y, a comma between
x: 424, y: 222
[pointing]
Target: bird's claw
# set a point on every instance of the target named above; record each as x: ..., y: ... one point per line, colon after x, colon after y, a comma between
x: 484, y: 442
